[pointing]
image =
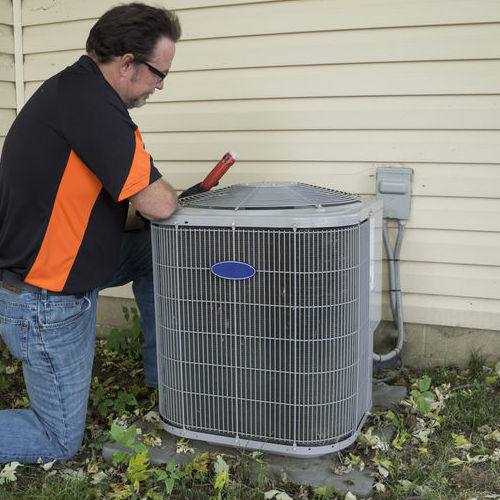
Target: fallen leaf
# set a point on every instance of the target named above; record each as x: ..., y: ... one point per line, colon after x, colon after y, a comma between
x: 8, y: 473
x: 152, y: 416
x: 183, y: 446
x: 92, y: 468
x: 383, y: 471
x: 152, y: 439
x: 461, y: 441
x: 495, y: 435
x: 405, y: 484
x: 277, y: 494
x: 99, y: 477
x: 484, y: 429
x: 477, y: 459
x: 48, y: 465
x: 342, y: 469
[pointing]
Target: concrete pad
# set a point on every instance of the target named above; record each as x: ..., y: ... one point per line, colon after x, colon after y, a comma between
x: 319, y: 471
x: 386, y: 397
x: 316, y: 472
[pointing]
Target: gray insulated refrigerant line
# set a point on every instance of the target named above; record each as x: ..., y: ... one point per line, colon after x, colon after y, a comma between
x: 394, y: 291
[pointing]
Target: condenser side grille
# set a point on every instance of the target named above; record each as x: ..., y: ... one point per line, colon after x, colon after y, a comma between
x: 281, y: 357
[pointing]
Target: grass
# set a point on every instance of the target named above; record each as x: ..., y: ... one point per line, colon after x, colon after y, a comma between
x: 445, y: 445
x: 50, y: 488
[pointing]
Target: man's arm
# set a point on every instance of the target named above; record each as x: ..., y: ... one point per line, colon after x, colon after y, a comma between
x: 156, y: 201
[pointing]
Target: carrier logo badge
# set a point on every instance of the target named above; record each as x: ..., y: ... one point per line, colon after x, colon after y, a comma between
x: 233, y: 270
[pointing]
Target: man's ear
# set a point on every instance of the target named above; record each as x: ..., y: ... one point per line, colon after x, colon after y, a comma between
x: 126, y: 64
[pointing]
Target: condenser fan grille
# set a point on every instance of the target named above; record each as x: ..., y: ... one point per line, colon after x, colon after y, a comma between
x: 270, y: 196
x: 281, y: 359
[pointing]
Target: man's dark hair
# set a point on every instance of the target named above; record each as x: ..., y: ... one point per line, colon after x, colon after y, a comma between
x: 134, y: 28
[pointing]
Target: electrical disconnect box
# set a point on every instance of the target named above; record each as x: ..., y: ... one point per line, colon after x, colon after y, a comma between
x: 394, y: 188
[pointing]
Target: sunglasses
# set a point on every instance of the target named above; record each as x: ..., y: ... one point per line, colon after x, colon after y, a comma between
x: 153, y: 70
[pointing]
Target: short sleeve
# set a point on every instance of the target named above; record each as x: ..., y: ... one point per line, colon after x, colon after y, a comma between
x: 142, y: 171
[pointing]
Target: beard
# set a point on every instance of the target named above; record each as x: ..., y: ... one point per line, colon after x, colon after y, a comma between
x: 138, y: 102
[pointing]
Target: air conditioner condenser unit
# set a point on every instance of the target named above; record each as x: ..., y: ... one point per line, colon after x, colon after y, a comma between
x: 267, y: 296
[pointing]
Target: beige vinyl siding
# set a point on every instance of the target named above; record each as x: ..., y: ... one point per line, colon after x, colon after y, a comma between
x: 209, y: 18
x: 325, y: 92
x: 7, y: 73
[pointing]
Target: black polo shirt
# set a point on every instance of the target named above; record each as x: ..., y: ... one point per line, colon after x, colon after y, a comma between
x: 70, y: 161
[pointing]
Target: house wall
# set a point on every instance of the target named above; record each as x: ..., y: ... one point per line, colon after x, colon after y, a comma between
x: 7, y: 73
x: 325, y: 92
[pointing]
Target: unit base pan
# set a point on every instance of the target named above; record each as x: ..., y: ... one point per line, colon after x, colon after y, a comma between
x: 274, y: 448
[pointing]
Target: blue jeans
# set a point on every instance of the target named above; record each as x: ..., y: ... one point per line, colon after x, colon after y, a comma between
x: 54, y: 336
x: 136, y: 266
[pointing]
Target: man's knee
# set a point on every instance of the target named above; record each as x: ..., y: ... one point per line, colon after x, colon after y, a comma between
x: 69, y: 448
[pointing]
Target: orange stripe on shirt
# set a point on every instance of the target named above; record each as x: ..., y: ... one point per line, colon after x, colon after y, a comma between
x: 140, y: 170
x: 76, y: 196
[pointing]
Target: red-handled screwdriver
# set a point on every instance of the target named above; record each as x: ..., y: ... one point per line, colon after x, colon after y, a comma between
x: 212, y: 179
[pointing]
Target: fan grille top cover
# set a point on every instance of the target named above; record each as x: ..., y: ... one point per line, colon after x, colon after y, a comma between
x: 262, y: 317
x: 264, y: 195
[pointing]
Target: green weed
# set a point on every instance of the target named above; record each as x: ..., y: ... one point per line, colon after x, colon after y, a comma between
x: 153, y: 482
x: 127, y: 341
x: 422, y: 396
x: 110, y: 400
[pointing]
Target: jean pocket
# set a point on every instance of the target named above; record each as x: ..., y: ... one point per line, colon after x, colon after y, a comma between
x: 14, y: 332
x: 61, y: 311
